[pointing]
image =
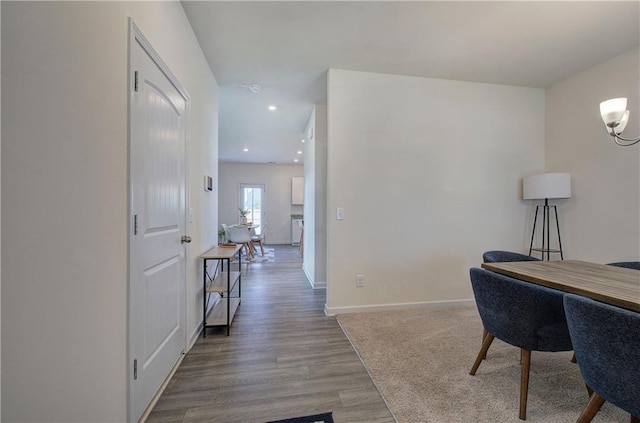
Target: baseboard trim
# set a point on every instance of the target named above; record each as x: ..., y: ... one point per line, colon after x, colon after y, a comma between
x: 306, y: 273
x: 194, y: 336
x: 319, y: 285
x: 332, y: 311
x: 314, y: 285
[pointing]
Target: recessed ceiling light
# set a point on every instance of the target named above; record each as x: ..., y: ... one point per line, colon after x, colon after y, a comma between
x: 295, y: 160
x: 272, y: 108
x: 245, y: 149
x: 302, y: 140
x: 299, y: 152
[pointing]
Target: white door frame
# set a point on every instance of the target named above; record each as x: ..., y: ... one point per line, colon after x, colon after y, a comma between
x: 136, y: 36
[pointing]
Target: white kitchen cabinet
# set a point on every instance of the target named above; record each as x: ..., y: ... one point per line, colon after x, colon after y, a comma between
x: 297, y: 191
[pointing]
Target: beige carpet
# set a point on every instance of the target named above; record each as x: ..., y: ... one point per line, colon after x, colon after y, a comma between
x: 420, y: 360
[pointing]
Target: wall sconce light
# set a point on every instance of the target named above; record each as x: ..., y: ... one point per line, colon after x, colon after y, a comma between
x: 616, y: 116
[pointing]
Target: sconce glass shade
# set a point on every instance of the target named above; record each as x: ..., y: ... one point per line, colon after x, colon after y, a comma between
x: 623, y: 122
x: 613, y: 110
x: 621, y: 126
x: 616, y: 116
x: 546, y: 185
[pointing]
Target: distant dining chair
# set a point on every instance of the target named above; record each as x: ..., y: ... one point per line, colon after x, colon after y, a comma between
x: 259, y: 239
x: 607, y: 344
x: 522, y: 314
x: 499, y: 256
x: 627, y: 264
x: 240, y: 235
x: 301, y: 242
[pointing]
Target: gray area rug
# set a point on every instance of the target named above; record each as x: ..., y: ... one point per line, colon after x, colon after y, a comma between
x: 420, y: 360
x: 268, y: 257
x: 269, y: 254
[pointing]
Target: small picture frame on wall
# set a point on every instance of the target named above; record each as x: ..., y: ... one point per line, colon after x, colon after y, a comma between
x: 208, y: 183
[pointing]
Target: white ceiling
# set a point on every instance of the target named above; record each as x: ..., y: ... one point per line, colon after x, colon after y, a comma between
x: 287, y: 47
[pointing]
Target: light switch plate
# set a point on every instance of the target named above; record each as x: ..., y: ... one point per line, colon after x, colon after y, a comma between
x: 339, y: 213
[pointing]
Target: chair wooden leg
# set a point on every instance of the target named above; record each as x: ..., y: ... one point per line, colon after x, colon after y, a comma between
x: 247, y: 249
x: 524, y: 382
x: 301, y: 243
x: 591, y: 409
x: 589, y: 390
x: 488, y: 339
x: 484, y: 335
x: 261, y: 247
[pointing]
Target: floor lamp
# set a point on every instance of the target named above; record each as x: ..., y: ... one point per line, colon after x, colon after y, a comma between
x: 546, y: 186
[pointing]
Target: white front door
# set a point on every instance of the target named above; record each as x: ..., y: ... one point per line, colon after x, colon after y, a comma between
x: 157, y: 280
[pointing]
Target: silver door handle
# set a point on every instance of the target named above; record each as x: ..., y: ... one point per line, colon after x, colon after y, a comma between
x: 185, y: 239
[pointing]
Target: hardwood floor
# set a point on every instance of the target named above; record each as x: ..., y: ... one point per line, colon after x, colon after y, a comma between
x: 284, y: 358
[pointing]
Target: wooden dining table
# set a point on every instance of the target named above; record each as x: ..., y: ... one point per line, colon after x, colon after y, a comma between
x: 246, y: 225
x: 608, y: 284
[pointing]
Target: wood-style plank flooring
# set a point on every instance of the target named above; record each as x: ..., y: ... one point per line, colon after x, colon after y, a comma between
x: 284, y: 358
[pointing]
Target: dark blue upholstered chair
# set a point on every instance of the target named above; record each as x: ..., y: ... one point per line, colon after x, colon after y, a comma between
x: 522, y: 314
x: 607, y: 344
x: 627, y: 264
x: 498, y: 256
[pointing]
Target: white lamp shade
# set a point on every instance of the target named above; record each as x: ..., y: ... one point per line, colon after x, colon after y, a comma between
x: 546, y: 185
x: 613, y: 110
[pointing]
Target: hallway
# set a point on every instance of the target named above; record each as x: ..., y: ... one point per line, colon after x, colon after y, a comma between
x: 284, y: 358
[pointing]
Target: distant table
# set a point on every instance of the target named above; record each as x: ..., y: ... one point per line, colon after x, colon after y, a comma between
x: 248, y: 226
x: 609, y: 284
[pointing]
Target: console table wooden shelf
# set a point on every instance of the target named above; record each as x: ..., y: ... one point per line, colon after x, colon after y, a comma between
x: 222, y: 282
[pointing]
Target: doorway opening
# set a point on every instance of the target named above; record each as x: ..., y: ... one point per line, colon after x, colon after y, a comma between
x: 252, y: 201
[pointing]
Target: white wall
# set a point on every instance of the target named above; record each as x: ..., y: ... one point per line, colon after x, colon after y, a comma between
x: 277, y: 181
x: 315, y: 202
x: 308, y: 257
x: 0, y: 229
x: 429, y: 173
x: 601, y: 220
x: 64, y: 182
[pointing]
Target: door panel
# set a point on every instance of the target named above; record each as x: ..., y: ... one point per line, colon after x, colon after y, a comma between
x: 163, y: 168
x: 161, y: 307
x: 157, y: 280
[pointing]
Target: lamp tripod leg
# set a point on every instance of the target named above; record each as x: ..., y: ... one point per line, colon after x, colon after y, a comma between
x: 545, y: 228
x: 555, y: 210
x: 533, y: 231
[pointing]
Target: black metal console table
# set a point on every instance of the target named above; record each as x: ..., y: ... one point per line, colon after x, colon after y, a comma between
x: 221, y: 282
